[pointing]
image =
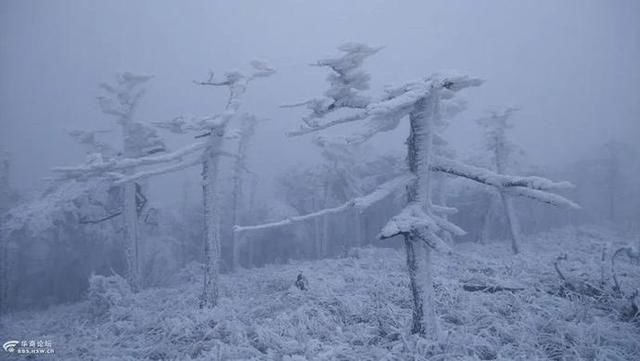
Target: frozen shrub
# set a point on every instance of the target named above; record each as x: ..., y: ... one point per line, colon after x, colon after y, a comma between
x: 106, y: 292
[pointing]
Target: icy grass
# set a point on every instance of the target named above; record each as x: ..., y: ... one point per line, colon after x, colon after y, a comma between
x: 357, y: 308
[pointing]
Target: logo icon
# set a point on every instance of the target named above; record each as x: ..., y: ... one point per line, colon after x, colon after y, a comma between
x: 10, y: 346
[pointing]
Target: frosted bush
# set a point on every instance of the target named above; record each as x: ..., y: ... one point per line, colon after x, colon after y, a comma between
x: 105, y: 293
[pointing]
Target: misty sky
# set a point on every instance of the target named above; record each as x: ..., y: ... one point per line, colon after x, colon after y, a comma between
x: 573, y: 67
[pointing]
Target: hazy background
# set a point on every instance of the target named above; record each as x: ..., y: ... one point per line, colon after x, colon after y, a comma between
x: 569, y: 64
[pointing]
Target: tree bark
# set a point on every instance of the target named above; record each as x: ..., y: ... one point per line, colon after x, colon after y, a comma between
x: 359, y: 232
x: 130, y: 215
x: 419, y: 153
x: 211, y: 229
x: 501, y: 155
x: 486, y: 221
x: 130, y: 212
x: 512, y: 222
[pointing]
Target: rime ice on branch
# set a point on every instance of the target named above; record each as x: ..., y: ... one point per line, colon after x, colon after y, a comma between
x: 423, y: 103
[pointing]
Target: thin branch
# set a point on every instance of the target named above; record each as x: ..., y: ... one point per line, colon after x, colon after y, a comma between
x: 311, y: 129
x: 360, y: 203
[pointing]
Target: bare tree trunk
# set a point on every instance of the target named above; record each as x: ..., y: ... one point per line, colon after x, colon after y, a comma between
x: 421, y: 285
x: 512, y: 222
x: 211, y: 230
x: 235, y: 247
x: 130, y: 215
x: 317, y: 238
x: 251, y: 253
x: 359, y: 232
x: 419, y: 156
x: 486, y: 221
x: 324, y: 242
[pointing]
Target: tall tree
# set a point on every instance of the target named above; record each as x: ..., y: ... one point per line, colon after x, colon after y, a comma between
x: 215, y: 129
x: 502, y: 149
x: 120, y: 101
x: 420, y: 221
x: 207, y: 153
x: 247, y: 130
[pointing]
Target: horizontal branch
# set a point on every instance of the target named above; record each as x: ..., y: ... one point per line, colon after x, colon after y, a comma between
x: 529, y: 187
x: 310, y: 129
x: 360, y: 203
x: 541, y: 196
x: 116, y: 165
x: 485, y: 176
x: 295, y: 219
x: 121, y: 179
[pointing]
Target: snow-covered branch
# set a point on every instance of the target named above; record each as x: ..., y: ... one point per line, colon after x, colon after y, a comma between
x: 485, y: 176
x: 121, y: 178
x: 527, y: 186
x: 295, y: 219
x: 360, y: 203
x: 542, y: 196
x: 98, y: 167
x: 383, y: 191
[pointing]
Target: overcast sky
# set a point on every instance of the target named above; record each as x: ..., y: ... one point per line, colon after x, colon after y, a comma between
x: 573, y: 67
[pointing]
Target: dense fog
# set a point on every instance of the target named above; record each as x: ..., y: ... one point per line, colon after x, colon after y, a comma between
x: 319, y: 180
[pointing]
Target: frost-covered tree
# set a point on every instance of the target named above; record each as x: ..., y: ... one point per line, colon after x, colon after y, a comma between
x: 247, y: 130
x: 120, y: 101
x: 420, y: 222
x: 216, y: 128
x: 614, y: 153
x: 502, y: 149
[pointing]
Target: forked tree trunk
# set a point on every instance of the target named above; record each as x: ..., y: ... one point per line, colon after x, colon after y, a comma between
x: 211, y: 227
x: 419, y: 153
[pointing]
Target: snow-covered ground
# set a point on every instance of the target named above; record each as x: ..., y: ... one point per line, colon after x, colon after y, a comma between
x: 358, y: 308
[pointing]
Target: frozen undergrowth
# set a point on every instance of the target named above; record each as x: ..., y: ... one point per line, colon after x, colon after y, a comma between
x: 358, y: 308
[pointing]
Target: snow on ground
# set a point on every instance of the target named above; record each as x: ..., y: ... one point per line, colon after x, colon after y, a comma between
x: 358, y: 308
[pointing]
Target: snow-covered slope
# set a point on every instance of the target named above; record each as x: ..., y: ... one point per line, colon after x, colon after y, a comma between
x: 358, y: 308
